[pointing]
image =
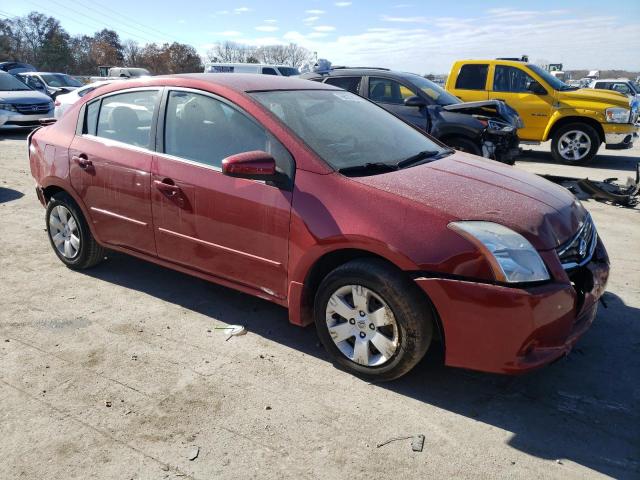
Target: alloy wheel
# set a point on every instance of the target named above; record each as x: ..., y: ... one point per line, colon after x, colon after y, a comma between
x: 64, y: 232
x: 362, y: 325
x: 574, y: 145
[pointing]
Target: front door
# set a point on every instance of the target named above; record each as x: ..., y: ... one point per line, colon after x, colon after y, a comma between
x: 233, y: 228
x: 511, y: 84
x: 110, y: 167
x: 391, y: 95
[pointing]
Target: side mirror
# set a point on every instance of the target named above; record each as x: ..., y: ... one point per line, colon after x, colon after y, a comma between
x: 256, y: 165
x: 414, y: 101
x: 535, y: 87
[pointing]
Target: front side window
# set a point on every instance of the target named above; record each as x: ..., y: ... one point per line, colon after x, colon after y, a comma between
x: 622, y: 88
x: 205, y: 130
x: 269, y: 71
x: 60, y: 80
x: 472, y: 77
x: 288, y: 71
x: 350, y: 84
x: 388, y: 91
x: 435, y: 92
x: 126, y: 117
x: 510, y: 79
x: 330, y: 123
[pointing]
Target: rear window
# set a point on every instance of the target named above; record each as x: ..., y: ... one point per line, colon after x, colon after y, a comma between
x: 126, y: 117
x: 472, y: 77
x: 351, y: 84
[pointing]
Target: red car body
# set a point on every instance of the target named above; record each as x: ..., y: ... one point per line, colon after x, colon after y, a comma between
x: 277, y: 243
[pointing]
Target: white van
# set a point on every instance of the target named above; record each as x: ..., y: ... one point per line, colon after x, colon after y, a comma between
x: 262, y: 68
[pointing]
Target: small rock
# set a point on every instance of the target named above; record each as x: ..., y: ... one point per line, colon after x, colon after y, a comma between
x: 261, y: 356
x: 134, y: 357
x: 559, y: 462
x: 267, y: 407
x: 127, y: 412
x: 107, y: 404
x: 193, y: 453
x: 165, y: 468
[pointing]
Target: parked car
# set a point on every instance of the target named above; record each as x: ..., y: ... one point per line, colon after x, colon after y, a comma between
x: 16, y: 67
x: 486, y: 128
x: 263, y: 68
x: 620, y: 85
x: 20, y: 106
x: 66, y: 100
x: 316, y: 199
x: 576, y: 120
x: 52, y: 84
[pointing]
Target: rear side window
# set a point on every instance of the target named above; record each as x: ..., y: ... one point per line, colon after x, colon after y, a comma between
x: 602, y: 85
x: 206, y: 130
x: 351, y: 84
x: 388, y: 91
x: 472, y: 77
x: 269, y: 71
x: 510, y: 79
x: 92, y: 118
x: 127, y: 117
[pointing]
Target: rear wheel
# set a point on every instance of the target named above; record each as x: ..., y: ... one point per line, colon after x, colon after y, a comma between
x: 69, y: 234
x: 463, y: 144
x: 372, y: 320
x: 575, y: 144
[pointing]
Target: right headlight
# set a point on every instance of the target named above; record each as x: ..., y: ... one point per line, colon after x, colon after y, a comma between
x: 8, y: 106
x: 512, y: 258
x: 617, y: 115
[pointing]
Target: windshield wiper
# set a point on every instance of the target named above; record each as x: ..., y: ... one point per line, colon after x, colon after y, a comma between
x: 377, y: 167
x: 421, y: 156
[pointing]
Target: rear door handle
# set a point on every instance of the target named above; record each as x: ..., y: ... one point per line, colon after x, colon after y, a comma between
x: 82, y: 161
x: 170, y: 190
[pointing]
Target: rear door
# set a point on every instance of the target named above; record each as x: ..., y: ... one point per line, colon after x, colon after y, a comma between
x: 511, y: 84
x: 110, y: 166
x: 236, y: 229
x: 391, y: 94
x: 471, y: 82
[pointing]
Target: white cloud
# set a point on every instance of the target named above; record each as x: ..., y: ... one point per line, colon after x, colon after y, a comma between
x: 315, y: 12
x: 267, y: 28
x: 342, y: 4
x: 240, y: 10
x: 324, y: 28
x: 311, y: 19
x: 271, y: 20
x: 387, y: 18
x: 229, y: 33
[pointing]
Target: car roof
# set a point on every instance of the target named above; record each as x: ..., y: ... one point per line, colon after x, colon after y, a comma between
x: 611, y: 80
x: 369, y: 71
x: 248, y: 82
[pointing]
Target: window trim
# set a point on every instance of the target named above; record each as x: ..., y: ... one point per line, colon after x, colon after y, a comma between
x: 369, y: 77
x: 82, y: 119
x: 486, y: 78
x: 161, y: 120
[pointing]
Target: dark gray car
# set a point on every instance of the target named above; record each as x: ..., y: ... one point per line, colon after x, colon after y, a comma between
x: 487, y: 128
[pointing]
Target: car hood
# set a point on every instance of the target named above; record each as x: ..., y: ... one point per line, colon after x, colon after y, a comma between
x: 23, y: 96
x: 488, y: 108
x: 590, y: 94
x: 466, y: 187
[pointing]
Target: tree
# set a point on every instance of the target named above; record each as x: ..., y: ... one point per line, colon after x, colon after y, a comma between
x: 182, y: 58
x: 31, y: 34
x: 106, y: 48
x: 132, y: 53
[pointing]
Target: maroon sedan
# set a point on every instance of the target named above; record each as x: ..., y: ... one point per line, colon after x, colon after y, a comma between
x: 318, y: 200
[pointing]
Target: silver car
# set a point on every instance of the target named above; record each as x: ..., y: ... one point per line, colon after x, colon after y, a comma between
x: 20, y: 106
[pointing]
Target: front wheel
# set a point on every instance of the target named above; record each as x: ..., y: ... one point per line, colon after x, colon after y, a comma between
x: 463, y: 144
x: 575, y: 144
x: 372, y: 320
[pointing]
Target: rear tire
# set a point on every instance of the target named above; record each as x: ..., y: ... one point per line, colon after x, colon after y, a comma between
x: 373, y: 321
x: 575, y: 144
x: 69, y: 234
x: 463, y: 144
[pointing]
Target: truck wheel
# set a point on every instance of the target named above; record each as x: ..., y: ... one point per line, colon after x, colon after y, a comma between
x: 463, y: 144
x: 372, y: 320
x: 575, y: 144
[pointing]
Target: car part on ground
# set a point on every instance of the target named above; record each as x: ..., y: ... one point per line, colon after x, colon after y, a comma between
x: 549, y: 106
x: 137, y: 166
x: 487, y: 129
x: 607, y: 190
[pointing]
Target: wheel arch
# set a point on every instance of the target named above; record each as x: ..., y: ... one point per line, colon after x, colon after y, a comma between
x: 562, y: 121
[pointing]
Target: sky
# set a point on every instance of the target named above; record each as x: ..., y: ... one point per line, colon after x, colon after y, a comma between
x: 410, y: 35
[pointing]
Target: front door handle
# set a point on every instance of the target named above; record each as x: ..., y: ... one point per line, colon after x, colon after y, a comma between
x: 170, y: 190
x: 82, y: 161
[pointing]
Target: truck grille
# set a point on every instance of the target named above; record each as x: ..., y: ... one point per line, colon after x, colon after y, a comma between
x: 579, y: 249
x: 33, y: 108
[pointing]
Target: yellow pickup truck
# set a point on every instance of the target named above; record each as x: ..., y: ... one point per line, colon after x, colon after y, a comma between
x: 576, y: 120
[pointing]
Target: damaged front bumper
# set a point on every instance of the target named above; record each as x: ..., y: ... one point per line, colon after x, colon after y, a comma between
x: 501, y: 146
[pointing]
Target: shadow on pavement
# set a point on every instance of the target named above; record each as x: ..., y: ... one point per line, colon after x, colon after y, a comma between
x: 626, y: 162
x: 582, y: 409
x: 8, y: 194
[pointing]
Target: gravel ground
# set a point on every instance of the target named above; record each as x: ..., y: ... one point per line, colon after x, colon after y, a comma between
x: 119, y: 372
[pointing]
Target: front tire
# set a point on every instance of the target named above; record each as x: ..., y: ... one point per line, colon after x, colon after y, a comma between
x: 463, y: 144
x: 575, y: 144
x: 372, y: 320
x: 69, y: 234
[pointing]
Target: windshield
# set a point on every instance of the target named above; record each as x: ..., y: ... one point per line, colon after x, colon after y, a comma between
x: 10, y: 83
x: 60, y: 80
x: 435, y: 92
x: 553, y: 82
x: 288, y: 71
x: 344, y: 129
